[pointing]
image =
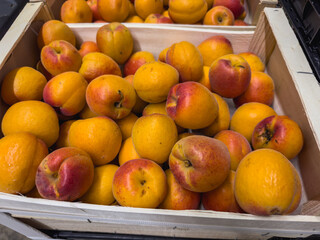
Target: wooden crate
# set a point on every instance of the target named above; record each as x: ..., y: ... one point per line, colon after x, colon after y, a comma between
x: 253, y: 8
x: 297, y: 95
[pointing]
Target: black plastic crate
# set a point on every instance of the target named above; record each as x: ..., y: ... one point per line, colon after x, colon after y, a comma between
x: 9, y: 10
x: 304, y: 17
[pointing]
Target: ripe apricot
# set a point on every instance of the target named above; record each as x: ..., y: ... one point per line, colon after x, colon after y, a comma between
x: 24, y: 83
x: 20, y: 155
x: 152, y: 81
x: 187, y: 59
x: 100, y: 137
x: 32, y: 116
x: 187, y: 11
x: 127, y: 151
x: 100, y: 191
x: 145, y: 7
x: 247, y: 116
x: 154, y: 136
x: 266, y: 183
x: 76, y: 11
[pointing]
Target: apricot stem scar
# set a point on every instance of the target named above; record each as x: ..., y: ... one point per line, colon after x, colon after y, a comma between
x: 119, y: 104
x: 142, y: 182
x: 267, y: 134
x: 187, y: 163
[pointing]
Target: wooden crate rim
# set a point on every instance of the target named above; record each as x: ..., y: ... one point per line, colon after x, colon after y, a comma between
x: 309, y: 92
x: 83, y: 210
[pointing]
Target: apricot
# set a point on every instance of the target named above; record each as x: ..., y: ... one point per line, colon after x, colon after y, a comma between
x: 65, y: 174
x: 100, y: 191
x: 100, y: 137
x: 247, y: 116
x: 23, y: 83
x: 222, y: 198
x: 237, y: 145
x: 134, y: 19
x: 114, y: 10
x: 60, y: 56
x: 254, y: 61
x: 140, y: 104
x: 146, y: 7
x: 139, y: 183
x: 136, y: 60
x: 127, y: 151
x: 187, y: 11
x: 266, y: 183
x: 34, y: 117
x: 110, y: 95
x: 222, y: 121
x: 179, y: 198
x: 214, y: 47
x: 261, y: 89
x: 191, y: 105
x: 199, y: 163
x: 63, y: 134
x: 280, y: 133
x: 153, y: 81
x: 96, y: 64
x: 75, y: 11
x: 187, y: 59
x: 115, y: 40
x: 20, y: 155
x: 235, y: 6
x: 219, y: 15
x: 126, y: 125
x: 88, y: 47
x: 229, y: 75
x: 153, y: 137
x: 66, y: 92
x: 55, y: 30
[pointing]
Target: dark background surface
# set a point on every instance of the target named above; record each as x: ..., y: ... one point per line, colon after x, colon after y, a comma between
x: 9, y: 10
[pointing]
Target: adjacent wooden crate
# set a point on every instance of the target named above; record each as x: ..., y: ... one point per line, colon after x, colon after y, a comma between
x: 297, y: 95
x: 253, y: 8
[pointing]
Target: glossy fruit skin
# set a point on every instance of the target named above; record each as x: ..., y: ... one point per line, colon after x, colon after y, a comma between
x: 99, y: 136
x: 100, y: 191
x: 247, y: 116
x: 179, y: 198
x: 153, y: 80
x: 187, y: 59
x: 266, y: 183
x: 280, y: 133
x: 60, y: 56
x: 65, y: 174
x: 115, y: 40
x: 35, y: 117
x: 261, y: 89
x: 229, y: 75
x: 139, y: 183
x: 181, y: 107
x: 222, y: 198
x: 199, y: 163
x: 153, y: 137
x: 187, y: 11
x: 113, y: 10
x: 20, y: 155
x: 111, y: 96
